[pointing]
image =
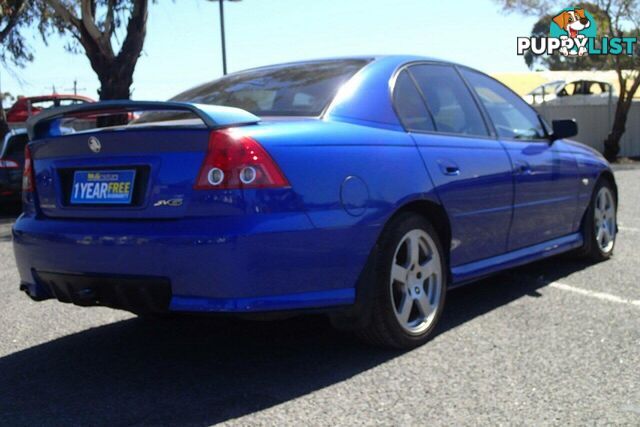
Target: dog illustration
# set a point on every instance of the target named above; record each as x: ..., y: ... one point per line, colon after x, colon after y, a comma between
x: 572, y: 21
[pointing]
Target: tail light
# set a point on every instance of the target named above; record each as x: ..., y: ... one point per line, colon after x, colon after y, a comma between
x: 27, y: 174
x: 9, y: 164
x: 236, y: 161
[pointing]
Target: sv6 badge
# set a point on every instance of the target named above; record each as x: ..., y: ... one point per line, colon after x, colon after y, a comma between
x: 174, y: 203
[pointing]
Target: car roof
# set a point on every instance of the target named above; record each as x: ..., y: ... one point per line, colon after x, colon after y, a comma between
x: 399, y: 57
x: 373, y: 84
x: 587, y: 81
x: 372, y: 80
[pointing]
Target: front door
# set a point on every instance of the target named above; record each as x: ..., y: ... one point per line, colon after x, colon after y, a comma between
x: 545, y: 175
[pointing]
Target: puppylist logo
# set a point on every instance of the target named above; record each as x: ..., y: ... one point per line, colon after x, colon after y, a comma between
x: 573, y: 32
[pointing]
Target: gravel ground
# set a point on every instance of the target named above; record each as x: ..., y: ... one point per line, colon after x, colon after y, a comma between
x: 553, y: 343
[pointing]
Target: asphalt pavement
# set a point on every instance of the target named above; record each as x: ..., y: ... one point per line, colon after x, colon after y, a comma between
x: 553, y: 343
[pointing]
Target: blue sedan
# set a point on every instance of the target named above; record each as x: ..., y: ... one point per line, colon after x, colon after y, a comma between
x: 363, y: 188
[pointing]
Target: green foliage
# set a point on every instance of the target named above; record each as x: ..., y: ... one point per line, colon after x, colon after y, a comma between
x: 15, y: 16
x: 110, y: 33
x: 99, y: 19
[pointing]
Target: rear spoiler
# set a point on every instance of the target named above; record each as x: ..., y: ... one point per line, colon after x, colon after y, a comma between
x: 47, y: 123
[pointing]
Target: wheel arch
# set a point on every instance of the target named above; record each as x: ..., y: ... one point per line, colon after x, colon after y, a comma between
x: 587, y: 246
x: 436, y: 215
x: 607, y: 174
x: 360, y: 312
x: 604, y: 174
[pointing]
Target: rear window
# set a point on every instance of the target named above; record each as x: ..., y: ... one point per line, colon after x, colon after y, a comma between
x: 65, y: 102
x: 14, y: 146
x: 43, y: 104
x: 303, y: 89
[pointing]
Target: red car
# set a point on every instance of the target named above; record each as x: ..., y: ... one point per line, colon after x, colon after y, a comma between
x: 26, y: 107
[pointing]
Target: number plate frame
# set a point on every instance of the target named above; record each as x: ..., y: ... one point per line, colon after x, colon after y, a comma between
x: 102, y: 187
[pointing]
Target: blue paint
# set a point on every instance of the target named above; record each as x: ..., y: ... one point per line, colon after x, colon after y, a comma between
x: 304, y: 246
x: 472, y: 271
x: 297, y: 301
x: 213, y: 116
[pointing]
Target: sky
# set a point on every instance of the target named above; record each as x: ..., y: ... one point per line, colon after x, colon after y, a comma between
x: 182, y: 48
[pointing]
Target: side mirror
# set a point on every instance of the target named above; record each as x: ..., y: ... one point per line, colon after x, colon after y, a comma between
x: 564, y: 129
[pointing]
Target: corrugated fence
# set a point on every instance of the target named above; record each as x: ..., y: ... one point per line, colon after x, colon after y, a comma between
x: 594, y: 123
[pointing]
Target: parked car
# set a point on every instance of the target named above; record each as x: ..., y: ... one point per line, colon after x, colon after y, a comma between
x: 12, y: 165
x: 574, y: 92
x: 364, y: 188
x: 26, y: 107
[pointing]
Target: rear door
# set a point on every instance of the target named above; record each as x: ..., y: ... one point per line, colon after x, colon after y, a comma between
x: 470, y: 168
x: 546, y: 176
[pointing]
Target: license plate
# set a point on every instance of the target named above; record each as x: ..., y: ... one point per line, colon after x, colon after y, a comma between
x: 103, y: 187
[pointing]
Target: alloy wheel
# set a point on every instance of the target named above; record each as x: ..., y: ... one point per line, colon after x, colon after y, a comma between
x: 416, y: 282
x: 605, y: 220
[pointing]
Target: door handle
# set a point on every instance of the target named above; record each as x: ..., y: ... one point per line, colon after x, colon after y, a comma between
x: 449, y: 167
x: 522, y: 167
x: 452, y: 170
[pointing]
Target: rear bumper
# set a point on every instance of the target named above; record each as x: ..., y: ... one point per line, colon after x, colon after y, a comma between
x: 249, y: 263
x: 137, y: 294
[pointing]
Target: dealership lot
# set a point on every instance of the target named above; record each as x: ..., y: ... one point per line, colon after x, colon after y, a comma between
x: 552, y: 343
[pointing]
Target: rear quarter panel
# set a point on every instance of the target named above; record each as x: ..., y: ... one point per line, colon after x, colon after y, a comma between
x: 350, y: 179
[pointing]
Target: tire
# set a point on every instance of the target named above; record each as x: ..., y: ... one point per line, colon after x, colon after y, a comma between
x: 599, y: 227
x: 406, y: 309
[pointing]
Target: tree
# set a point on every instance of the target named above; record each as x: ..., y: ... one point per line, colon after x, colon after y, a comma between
x: 92, y: 25
x: 13, y: 14
x: 620, y: 18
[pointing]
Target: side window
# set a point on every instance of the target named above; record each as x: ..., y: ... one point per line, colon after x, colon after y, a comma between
x: 42, y: 104
x: 449, y: 100
x: 595, y: 88
x: 511, y: 115
x: 568, y: 90
x: 66, y: 102
x: 410, y: 106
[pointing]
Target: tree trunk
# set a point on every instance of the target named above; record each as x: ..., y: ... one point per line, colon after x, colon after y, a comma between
x: 612, y: 143
x: 625, y: 101
x: 114, y: 85
x: 115, y: 72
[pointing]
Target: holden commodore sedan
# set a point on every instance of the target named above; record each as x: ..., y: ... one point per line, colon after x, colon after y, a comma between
x: 363, y: 188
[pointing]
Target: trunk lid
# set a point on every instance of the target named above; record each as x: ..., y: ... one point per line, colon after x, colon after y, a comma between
x: 164, y: 165
x: 137, y: 171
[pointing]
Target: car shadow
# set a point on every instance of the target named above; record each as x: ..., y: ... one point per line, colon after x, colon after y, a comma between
x: 201, y: 371
x: 476, y: 299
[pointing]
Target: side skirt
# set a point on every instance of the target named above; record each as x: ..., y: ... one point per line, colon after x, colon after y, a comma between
x: 466, y: 273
